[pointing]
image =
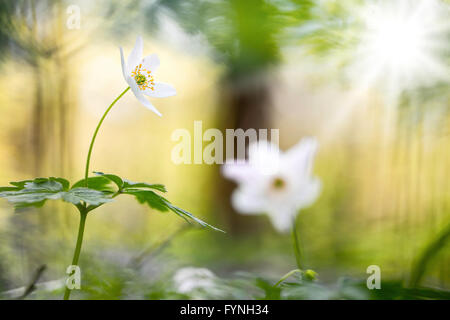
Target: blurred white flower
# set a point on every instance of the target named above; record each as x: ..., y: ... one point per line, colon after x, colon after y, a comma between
x: 276, y: 183
x: 139, y: 74
x: 189, y: 279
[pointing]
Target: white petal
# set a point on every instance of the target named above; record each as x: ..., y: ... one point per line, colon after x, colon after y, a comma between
x: 262, y: 148
x: 151, y: 62
x: 308, y: 194
x: 247, y: 202
x: 124, y: 66
x: 137, y: 92
x: 265, y: 156
x: 135, y: 56
x: 190, y: 278
x: 282, y: 218
x: 237, y: 170
x: 161, y: 90
x: 300, y: 157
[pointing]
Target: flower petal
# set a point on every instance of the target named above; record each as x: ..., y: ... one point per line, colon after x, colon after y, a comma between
x: 282, y: 218
x: 265, y: 156
x: 151, y: 62
x: 239, y: 171
x: 135, y: 56
x: 246, y: 202
x: 300, y: 157
x: 308, y: 193
x: 140, y: 96
x: 124, y: 66
x: 161, y: 90
x: 235, y: 170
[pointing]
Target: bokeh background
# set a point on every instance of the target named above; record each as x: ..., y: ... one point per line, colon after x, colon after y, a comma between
x: 380, y: 111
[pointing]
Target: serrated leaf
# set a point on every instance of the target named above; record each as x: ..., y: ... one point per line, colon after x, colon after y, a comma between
x: 160, y: 203
x: 26, y: 197
x: 130, y: 184
x: 90, y: 196
x: 40, y: 185
x: 116, y: 179
x: 185, y: 214
x: 35, y: 192
x: 19, y: 184
x: 97, y: 183
x: 65, y: 183
x: 148, y: 197
x: 8, y: 189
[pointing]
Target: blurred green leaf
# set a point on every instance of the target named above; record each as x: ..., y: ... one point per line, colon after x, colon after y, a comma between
x: 129, y: 184
x: 97, y: 183
x: 36, y: 192
x: 90, y: 196
x: 160, y: 203
x: 149, y: 198
x: 123, y: 184
x: 112, y: 177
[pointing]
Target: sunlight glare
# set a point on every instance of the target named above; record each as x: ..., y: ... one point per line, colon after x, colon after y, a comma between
x: 401, y: 45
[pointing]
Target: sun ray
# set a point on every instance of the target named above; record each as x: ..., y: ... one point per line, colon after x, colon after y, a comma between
x: 402, y: 46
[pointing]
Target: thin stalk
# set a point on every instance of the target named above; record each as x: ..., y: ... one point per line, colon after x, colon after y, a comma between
x: 83, y: 207
x: 427, y: 255
x: 296, y: 243
x: 88, y: 160
x: 76, y: 254
x: 287, y: 275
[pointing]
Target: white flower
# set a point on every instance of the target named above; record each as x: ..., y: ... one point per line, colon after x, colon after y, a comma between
x: 276, y: 183
x: 188, y: 279
x: 139, y: 74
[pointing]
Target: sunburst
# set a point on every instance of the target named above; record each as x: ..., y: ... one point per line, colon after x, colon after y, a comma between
x: 402, y: 46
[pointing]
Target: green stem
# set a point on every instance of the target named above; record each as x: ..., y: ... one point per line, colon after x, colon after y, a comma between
x: 296, y: 243
x: 88, y: 160
x: 421, y: 265
x: 76, y: 254
x: 82, y: 207
x: 287, y: 275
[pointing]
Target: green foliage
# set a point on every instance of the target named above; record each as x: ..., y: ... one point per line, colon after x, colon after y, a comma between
x: 246, y: 36
x: 88, y: 196
x: 124, y: 184
x: 36, y: 192
x: 111, y: 177
x: 143, y: 192
x: 97, y: 183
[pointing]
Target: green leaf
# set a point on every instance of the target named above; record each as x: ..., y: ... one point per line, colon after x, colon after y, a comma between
x: 65, y: 183
x: 97, y: 183
x: 100, y: 189
x: 19, y: 184
x: 33, y: 192
x: 36, y: 192
x: 149, y: 198
x: 129, y: 184
x: 90, y: 196
x: 160, y: 203
x: 8, y: 189
x: 116, y: 179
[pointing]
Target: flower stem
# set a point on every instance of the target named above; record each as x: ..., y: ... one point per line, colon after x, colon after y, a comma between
x: 296, y: 243
x: 287, y: 275
x: 427, y: 255
x: 88, y: 160
x: 76, y: 254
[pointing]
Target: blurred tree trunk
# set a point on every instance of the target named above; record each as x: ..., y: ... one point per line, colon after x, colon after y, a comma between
x: 245, y: 106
